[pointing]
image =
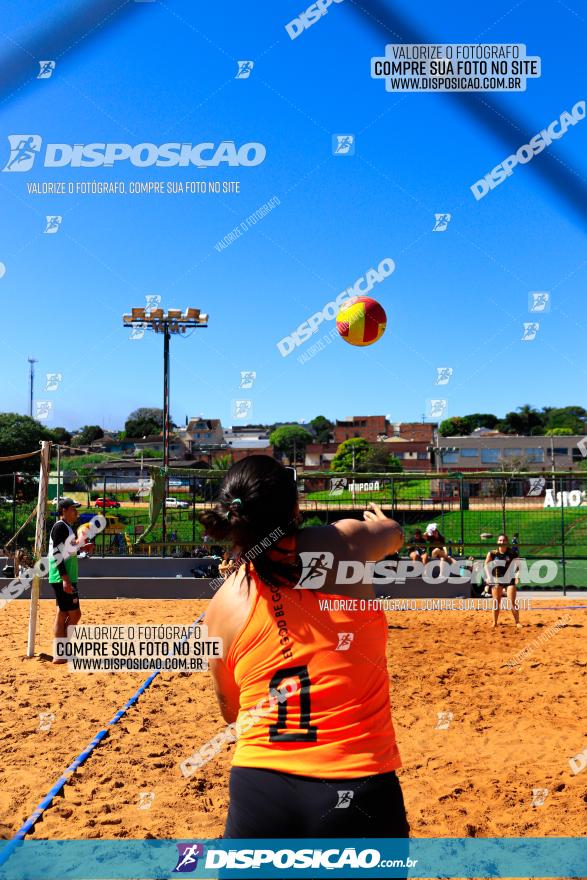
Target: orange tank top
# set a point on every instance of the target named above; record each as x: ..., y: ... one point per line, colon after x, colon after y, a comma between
x: 336, y: 720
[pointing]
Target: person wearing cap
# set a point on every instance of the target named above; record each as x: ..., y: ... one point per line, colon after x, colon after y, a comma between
x: 63, y: 549
x: 437, y: 544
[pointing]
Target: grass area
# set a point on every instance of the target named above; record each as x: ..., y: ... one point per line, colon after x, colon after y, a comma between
x: 178, y: 521
x: 403, y: 490
x: 6, y: 529
x: 539, y: 531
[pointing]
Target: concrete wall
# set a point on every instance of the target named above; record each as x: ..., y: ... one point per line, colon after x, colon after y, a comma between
x: 199, y: 588
x: 132, y: 588
x: 136, y: 566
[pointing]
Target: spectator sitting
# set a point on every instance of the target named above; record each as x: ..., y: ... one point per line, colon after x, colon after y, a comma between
x: 437, y: 544
x: 227, y: 566
x: 9, y: 570
x: 417, y: 547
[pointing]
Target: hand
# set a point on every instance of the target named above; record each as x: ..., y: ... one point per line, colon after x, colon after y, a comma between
x: 374, y: 514
x: 67, y: 586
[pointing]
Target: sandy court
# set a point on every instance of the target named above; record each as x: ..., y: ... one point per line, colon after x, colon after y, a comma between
x: 512, y: 729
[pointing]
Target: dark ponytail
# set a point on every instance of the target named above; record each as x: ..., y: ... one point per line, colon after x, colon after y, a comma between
x: 257, y: 505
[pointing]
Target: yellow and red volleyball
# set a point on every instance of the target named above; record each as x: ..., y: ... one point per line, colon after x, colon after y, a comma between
x: 84, y: 533
x: 361, y: 321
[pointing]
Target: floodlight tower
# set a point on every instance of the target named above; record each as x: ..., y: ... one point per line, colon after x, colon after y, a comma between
x: 173, y: 322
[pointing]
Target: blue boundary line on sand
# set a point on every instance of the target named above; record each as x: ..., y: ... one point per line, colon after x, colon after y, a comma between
x: 46, y: 802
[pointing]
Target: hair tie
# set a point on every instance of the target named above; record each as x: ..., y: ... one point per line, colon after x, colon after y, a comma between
x: 233, y: 507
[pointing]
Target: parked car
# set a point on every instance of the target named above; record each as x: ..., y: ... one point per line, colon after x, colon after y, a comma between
x: 175, y: 502
x: 106, y: 502
x: 56, y: 501
x: 6, y: 499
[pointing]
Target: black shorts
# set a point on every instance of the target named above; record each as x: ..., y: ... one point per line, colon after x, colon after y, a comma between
x: 268, y: 803
x: 271, y: 804
x: 66, y: 601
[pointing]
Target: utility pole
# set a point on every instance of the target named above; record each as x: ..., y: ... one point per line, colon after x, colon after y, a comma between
x: 32, y: 361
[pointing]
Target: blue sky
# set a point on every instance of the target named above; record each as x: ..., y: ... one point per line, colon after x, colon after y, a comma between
x: 166, y: 72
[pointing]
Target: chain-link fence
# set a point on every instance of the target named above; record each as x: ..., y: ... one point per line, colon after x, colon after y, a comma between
x: 544, y: 515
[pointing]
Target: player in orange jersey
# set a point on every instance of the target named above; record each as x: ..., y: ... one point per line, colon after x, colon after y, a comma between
x: 303, y: 674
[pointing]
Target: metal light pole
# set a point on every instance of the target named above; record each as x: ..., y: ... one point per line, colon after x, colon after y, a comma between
x: 32, y: 361
x: 165, y: 431
x: 174, y: 322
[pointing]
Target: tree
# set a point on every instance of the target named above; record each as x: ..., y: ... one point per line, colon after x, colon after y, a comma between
x: 559, y: 432
x: 511, y: 469
x: 322, y: 428
x: 525, y: 420
x: 145, y: 421
x: 351, y: 455
x: 87, y: 435
x: 480, y: 420
x: 146, y: 453
x: 221, y: 463
x: 571, y: 417
x: 455, y: 427
x: 20, y: 434
x: 290, y: 439
x: 61, y: 436
x: 462, y: 426
x: 380, y: 459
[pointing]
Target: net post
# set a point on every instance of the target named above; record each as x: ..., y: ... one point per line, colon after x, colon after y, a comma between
x: 39, y: 541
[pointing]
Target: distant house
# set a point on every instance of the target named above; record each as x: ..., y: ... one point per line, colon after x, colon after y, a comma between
x: 414, y: 455
x: 132, y: 475
x: 114, y: 446
x: 318, y: 456
x: 244, y: 440
x: 177, y: 447
x: 367, y: 427
x: 201, y: 434
x: 374, y: 428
